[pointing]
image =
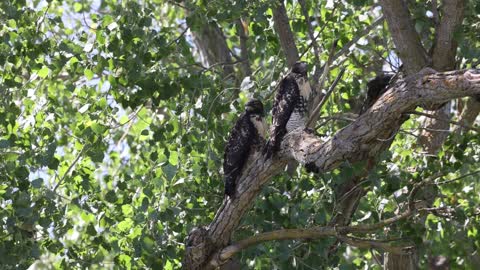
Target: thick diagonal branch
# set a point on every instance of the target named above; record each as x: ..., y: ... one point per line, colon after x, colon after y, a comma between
x: 365, y: 137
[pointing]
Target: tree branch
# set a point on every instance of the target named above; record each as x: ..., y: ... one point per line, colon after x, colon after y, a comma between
x: 282, y: 27
x: 445, y: 46
x: 316, y: 49
x: 469, y: 114
x: 316, y: 112
x: 242, y: 28
x: 211, y: 42
x: 406, y: 39
x: 464, y: 126
x: 357, y: 37
x: 339, y: 232
x: 443, y: 59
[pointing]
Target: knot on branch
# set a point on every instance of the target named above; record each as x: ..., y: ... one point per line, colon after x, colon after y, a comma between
x: 198, y: 248
x: 473, y: 75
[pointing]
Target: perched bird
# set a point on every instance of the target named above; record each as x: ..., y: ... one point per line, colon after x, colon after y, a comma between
x: 375, y: 89
x: 290, y: 107
x: 246, y: 137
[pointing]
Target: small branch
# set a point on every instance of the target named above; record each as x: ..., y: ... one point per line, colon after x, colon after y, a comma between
x: 316, y: 111
x: 242, y: 28
x: 357, y: 37
x: 42, y: 18
x: 326, y: 68
x: 316, y: 49
x: 179, y: 37
x: 316, y: 233
x: 70, y: 167
x: 456, y: 179
x: 353, y: 189
x: 418, y: 186
x: 370, y: 243
x: 329, y: 118
x: 465, y: 126
x: 322, y: 28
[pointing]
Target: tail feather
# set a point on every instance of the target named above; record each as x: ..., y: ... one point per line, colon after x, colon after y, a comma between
x: 229, y: 186
x: 269, y: 149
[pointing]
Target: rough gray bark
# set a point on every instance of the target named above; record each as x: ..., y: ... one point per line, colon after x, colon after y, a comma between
x: 364, y: 138
x: 282, y: 27
x: 445, y: 46
x: 242, y: 28
x: 407, y: 261
x: 469, y: 114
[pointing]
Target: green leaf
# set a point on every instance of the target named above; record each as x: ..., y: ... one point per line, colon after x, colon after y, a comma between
x: 37, y: 183
x: 88, y: 73
x: 77, y: 7
x: 169, y: 171
x: 43, y: 72
x: 173, y: 159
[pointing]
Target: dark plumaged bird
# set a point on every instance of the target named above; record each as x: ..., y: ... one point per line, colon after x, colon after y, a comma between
x: 246, y: 138
x: 290, y: 107
x: 375, y: 89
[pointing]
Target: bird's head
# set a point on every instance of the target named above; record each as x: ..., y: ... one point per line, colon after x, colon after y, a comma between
x: 300, y: 68
x: 254, y: 106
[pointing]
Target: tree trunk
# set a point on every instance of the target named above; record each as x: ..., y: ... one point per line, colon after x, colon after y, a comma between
x: 407, y: 261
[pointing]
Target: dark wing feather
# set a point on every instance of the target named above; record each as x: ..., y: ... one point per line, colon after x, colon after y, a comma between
x: 285, y: 101
x: 236, y: 153
x: 375, y: 89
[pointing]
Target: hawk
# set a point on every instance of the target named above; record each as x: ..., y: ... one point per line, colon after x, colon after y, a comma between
x: 246, y: 137
x: 375, y: 89
x: 290, y: 106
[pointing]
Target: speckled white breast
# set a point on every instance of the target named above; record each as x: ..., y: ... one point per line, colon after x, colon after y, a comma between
x: 260, y: 125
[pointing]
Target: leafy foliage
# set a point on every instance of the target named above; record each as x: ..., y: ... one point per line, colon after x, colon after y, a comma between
x: 112, y: 132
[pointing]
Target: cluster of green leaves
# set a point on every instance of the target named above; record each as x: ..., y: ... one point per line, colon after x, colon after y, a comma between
x: 112, y: 135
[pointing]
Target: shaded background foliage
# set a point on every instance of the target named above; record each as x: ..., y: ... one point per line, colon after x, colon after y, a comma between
x: 112, y: 127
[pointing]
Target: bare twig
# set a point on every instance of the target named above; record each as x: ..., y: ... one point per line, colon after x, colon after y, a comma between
x: 179, y: 37
x: 458, y: 178
x: 466, y: 126
x: 316, y: 49
x: 316, y: 111
x: 352, y: 190
x: 39, y: 22
x: 319, y: 232
x: 130, y: 123
x: 357, y: 37
x: 370, y: 243
x: 70, y: 167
